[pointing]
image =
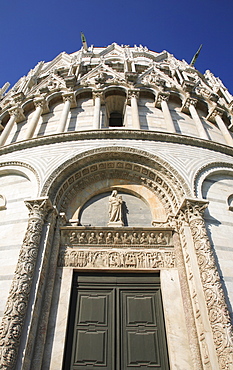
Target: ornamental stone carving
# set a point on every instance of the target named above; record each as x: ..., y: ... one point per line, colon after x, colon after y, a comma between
x: 187, y: 103
x: 162, y: 96
x: 217, y: 310
x: 16, y: 307
x: 115, y: 209
x: 107, y: 236
x: 70, y: 97
x: 115, y: 258
x: 17, y: 112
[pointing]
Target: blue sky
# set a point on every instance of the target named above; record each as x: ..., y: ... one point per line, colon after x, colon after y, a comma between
x: 32, y: 31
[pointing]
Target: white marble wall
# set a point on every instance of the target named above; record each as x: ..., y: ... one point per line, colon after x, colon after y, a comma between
x: 13, y: 223
x: 81, y: 118
x: 216, y: 189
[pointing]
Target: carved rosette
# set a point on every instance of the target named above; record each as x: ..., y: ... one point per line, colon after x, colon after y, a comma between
x: 212, y: 287
x: 16, y: 307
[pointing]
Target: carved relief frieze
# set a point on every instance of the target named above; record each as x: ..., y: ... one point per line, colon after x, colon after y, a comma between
x: 115, y: 258
x: 108, y: 237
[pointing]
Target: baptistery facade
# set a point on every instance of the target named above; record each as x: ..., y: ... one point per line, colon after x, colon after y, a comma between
x: 116, y: 200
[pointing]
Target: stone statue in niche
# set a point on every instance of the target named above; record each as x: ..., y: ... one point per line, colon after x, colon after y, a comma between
x: 115, y: 209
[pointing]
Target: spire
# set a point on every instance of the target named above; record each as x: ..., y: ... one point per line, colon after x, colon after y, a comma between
x: 84, y: 42
x: 193, y: 61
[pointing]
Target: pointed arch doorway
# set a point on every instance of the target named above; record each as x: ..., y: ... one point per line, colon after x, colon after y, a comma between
x: 116, y: 322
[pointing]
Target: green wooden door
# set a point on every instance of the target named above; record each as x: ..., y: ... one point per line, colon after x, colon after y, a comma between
x: 116, y: 323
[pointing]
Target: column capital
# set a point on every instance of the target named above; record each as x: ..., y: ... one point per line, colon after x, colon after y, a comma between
x: 161, y: 96
x: 97, y: 94
x: 187, y: 103
x: 17, y: 111
x: 38, y: 208
x: 42, y: 103
x: 216, y: 111
x: 192, y: 208
x: 70, y: 96
x: 18, y: 97
x: 133, y: 93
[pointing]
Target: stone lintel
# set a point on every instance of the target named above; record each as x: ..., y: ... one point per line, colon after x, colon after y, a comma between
x: 85, y: 236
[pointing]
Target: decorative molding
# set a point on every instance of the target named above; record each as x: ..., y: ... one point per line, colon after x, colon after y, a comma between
x: 136, y: 158
x: 108, y: 237
x: 189, y: 313
x: 70, y: 96
x: 120, y: 134
x: 17, y: 303
x: 186, y: 104
x: 208, y: 170
x: 132, y: 94
x: 162, y: 186
x: 216, y: 111
x: 18, y: 113
x: 42, y: 103
x: 115, y: 258
x: 22, y: 164
x: 161, y: 96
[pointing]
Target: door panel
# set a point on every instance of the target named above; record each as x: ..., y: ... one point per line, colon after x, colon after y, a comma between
x: 139, y: 330
x: 93, y: 330
x: 117, y: 323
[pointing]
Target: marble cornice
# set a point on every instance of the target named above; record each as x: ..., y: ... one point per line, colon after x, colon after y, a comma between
x: 142, y: 135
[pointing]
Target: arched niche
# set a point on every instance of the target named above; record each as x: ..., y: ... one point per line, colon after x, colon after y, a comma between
x: 102, y: 169
x: 140, y: 205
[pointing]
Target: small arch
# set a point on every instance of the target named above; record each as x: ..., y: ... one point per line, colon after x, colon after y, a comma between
x: 213, y: 168
x: 54, y: 99
x: 135, y: 211
x: 2, y: 202
x: 230, y: 202
x: 115, y: 119
x: 115, y: 102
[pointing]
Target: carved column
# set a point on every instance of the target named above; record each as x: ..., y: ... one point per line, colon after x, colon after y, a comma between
x: 40, y: 338
x: 218, y: 314
x: 69, y: 100
x: 217, y: 115
x: 134, y: 95
x: 190, y: 104
x: 39, y: 105
x: 16, y: 115
x: 161, y: 101
x: 17, y: 303
x: 97, y: 99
